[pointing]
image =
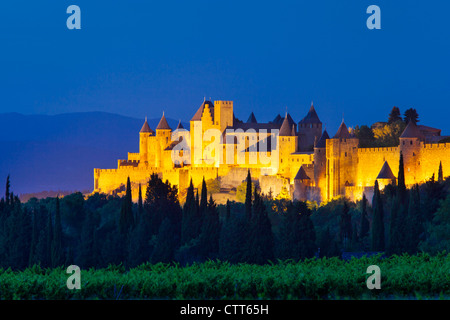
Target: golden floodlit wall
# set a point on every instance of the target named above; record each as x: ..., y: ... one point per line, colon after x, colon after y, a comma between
x: 371, y: 160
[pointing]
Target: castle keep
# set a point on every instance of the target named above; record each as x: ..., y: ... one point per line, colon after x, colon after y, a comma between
x: 300, y: 157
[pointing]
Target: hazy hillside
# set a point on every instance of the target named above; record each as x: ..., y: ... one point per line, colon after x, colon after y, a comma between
x: 60, y: 152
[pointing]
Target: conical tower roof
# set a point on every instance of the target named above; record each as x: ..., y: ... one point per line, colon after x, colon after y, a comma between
x: 311, y: 117
x: 179, y: 126
x: 301, y: 174
x: 278, y: 119
x: 322, y: 143
x: 342, y: 132
x: 252, y: 119
x: 386, y: 172
x: 146, y: 127
x: 198, y: 115
x: 163, y: 125
x: 285, y: 130
x: 412, y: 131
x: 290, y: 120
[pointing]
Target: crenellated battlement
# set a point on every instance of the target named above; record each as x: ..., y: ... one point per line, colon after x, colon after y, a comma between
x: 436, y: 145
x: 378, y: 149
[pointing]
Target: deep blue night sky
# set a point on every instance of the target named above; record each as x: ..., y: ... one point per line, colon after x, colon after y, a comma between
x: 140, y: 57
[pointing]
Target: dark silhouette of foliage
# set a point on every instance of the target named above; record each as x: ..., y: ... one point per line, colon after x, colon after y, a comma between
x: 394, y: 115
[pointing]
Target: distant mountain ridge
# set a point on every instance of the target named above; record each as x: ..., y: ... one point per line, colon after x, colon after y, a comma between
x: 59, y: 152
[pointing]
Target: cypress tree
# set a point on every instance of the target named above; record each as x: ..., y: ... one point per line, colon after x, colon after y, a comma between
x: 401, y: 188
x: 399, y: 211
x: 364, y: 220
x: 126, y: 220
x: 440, y: 173
x: 129, y: 202
x: 57, y: 251
x: 204, y: 199
x: 197, y: 206
x: 296, y: 236
x: 86, y: 257
x: 248, y: 197
x: 7, y: 194
x: 378, y: 221
x: 233, y: 236
x: 34, y: 239
x: 165, y: 244
x: 260, y: 240
x: 209, y: 238
x: 140, y: 203
x: 345, y: 226
x: 49, y: 239
x: 190, y: 222
x: 414, y: 222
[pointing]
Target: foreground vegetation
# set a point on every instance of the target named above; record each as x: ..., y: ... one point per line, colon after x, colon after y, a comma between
x: 417, y: 277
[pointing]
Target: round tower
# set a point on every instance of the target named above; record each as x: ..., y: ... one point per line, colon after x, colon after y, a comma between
x: 163, y: 137
x: 144, y: 135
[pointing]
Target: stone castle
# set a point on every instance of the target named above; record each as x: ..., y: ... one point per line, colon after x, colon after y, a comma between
x: 300, y: 157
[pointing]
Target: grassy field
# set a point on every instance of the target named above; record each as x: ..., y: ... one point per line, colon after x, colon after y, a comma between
x: 402, y: 277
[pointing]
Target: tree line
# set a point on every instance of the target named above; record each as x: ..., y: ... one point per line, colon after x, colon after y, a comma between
x: 100, y: 230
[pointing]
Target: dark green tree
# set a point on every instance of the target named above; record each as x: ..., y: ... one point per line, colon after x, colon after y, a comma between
x: 377, y: 221
x: 140, y: 204
x: 401, y: 187
x: 49, y: 239
x: 161, y: 201
x: 190, y: 220
x: 432, y: 193
x: 57, y: 255
x: 165, y: 244
x: 328, y: 246
x: 248, y: 197
x: 365, y: 226
x: 297, y: 237
x: 204, y: 196
x: 7, y: 194
x: 19, y: 237
x: 440, y: 173
x: 365, y: 135
x: 260, y: 243
x: 345, y: 226
x: 86, y: 255
x: 233, y: 235
x: 411, y: 115
x: 395, y: 115
x: 209, y: 238
x: 414, y: 222
x: 126, y: 221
